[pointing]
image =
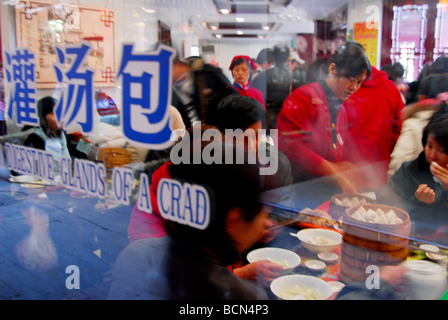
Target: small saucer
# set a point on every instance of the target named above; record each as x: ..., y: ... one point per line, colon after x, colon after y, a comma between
x: 435, y: 256
x: 329, y: 257
x: 315, y: 265
x: 429, y: 248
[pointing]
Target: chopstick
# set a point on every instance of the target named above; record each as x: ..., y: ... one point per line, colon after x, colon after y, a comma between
x: 286, y: 223
x: 33, y: 183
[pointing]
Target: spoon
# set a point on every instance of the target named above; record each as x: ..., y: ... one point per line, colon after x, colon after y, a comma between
x: 293, y: 234
x: 308, y: 239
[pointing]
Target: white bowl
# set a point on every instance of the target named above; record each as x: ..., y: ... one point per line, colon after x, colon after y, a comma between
x: 314, y: 239
x: 336, y: 285
x: 315, y: 265
x: 329, y: 257
x: 286, y: 258
x: 289, y: 287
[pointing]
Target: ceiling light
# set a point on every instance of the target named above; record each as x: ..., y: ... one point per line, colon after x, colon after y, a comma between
x: 239, y: 19
x: 266, y: 27
x: 212, y: 25
x: 218, y: 36
x: 223, y: 6
x: 148, y: 10
x: 239, y: 32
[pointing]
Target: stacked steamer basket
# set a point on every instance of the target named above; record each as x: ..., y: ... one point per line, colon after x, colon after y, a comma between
x: 114, y: 157
x: 341, y: 202
x: 371, y: 242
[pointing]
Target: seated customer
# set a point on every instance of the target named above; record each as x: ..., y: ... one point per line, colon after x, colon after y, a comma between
x: 432, y: 91
x: 239, y: 112
x: 49, y: 136
x: 420, y: 186
x: 189, y: 263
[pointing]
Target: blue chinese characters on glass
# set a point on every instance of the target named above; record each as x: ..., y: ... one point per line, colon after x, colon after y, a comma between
x: 19, y: 70
x: 75, y: 78
x: 146, y: 90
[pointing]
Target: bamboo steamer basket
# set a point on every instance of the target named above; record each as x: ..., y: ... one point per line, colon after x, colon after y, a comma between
x: 365, y: 244
x: 114, y: 157
x: 337, y: 211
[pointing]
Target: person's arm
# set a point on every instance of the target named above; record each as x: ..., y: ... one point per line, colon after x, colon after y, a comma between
x: 440, y: 173
x: 389, y: 286
x: 408, y: 145
x: 295, y: 124
x: 411, y: 189
x: 427, y: 104
x: 327, y: 168
x: 358, y: 291
x: 264, y: 271
x: 400, y: 183
x: 21, y: 135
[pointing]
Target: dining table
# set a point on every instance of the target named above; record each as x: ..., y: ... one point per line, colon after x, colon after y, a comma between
x: 47, y: 231
x: 289, y: 204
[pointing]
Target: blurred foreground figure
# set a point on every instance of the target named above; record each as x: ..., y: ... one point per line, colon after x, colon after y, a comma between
x: 191, y: 263
x: 197, y: 89
x: 275, y: 84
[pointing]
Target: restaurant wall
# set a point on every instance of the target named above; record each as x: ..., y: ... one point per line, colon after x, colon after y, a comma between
x: 225, y: 51
x: 369, y: 12
x: 133, y: 25
x: 137, y: 24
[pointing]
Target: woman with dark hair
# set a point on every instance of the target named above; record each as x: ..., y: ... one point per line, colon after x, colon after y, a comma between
x: 242, y: 68
x: 422, y: 183
x: 312, y: 123
x: 49, y: 136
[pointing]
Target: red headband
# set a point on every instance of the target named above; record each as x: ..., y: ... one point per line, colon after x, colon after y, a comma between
x: 252, y: 64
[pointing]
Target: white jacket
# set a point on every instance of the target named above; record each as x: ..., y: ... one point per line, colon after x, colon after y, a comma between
x: 409, y: 144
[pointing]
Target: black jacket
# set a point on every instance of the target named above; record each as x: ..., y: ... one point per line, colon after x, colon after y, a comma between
x: 210, y: 86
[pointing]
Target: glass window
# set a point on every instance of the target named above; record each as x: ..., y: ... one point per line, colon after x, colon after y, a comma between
x: 136, y: 164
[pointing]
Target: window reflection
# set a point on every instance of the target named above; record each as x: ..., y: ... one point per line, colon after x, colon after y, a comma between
x: 78, y: 195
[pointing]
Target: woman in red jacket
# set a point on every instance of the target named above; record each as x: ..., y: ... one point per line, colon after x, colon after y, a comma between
x: 312, y: 123
x: 242, y: 67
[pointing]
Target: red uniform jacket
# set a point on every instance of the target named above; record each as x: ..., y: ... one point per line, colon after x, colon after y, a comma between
x: 306, y: 133
x: 373, y: 122
x: 253, y: 93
